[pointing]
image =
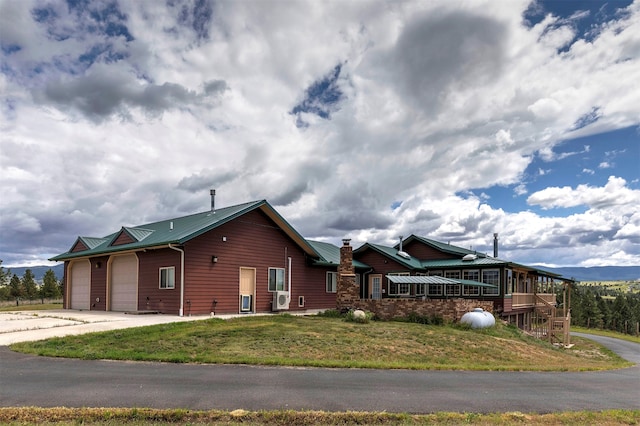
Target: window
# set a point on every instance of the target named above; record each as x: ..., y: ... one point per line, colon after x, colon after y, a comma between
x: 435, y: 273
x: 399, y: 289
x: 471, y: 290
x: 454, y: 275
x: 421, y: 288
x: 491, y: 276
x: 471, y: 274
x: 332, y: 282
x: 276, y: 279
x: 452, y: 290
x: 435, y: 289
x: 168, y: 277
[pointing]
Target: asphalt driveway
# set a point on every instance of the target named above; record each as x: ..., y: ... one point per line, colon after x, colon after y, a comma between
x: 27, y: 380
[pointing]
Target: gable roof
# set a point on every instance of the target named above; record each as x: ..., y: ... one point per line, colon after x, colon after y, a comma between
x: 443, y: 247
x: 330, y: 255
x: 392, y: 253
x: 178, y: 231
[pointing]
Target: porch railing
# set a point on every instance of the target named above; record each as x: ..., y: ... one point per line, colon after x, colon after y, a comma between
x: 523, y: 300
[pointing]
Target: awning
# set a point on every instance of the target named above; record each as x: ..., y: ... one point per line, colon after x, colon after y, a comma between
x: 432, y: 279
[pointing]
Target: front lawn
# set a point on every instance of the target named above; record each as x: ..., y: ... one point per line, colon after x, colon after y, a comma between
x: 330, y: 342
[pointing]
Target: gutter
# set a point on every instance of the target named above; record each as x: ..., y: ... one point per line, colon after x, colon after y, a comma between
x: 181, y: 311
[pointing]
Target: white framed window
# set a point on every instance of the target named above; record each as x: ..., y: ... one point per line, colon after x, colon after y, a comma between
x: 454, y: 275
x: 471, y: 274
x: 276, y: 279
x: 435, y: 289
x: 167, y: 277
x: 452, y: 290
x: 471, y: 290
x: 435, y: 273
x: 399, y: 289
x: 491, y: 276
x: 332, y: 282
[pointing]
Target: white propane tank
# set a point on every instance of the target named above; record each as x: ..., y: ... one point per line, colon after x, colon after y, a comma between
x: 478, y: 318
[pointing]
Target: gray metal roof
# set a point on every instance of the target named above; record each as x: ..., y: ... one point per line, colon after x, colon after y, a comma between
x: 330, y: 255
x: 432, y: 279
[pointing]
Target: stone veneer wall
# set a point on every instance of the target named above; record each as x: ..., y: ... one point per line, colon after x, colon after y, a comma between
x: 348, y: 297
x: 448, y: 309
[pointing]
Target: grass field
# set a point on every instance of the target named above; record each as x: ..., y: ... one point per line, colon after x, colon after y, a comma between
x: 621, y: 286
x: 139, y: 417
x: 331, y: 342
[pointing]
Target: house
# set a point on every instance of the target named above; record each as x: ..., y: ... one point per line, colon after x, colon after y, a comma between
x: 424, y: 276
x: 243, y: 258
x: 248, y: 259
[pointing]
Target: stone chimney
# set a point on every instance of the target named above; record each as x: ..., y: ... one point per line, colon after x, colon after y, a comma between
x: 348, y: 291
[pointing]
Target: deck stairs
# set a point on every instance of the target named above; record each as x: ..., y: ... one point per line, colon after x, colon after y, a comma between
x: 550, y: 323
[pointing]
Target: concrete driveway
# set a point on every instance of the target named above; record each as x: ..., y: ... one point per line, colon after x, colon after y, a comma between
x: 26, y: 326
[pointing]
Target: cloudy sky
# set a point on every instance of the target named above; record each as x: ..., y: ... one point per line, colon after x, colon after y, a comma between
x: 362, y: 119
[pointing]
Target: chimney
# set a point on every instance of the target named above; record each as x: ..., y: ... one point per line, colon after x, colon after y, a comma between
x: 213, y: 200
x: 348, y: 292
x: 495, y: 244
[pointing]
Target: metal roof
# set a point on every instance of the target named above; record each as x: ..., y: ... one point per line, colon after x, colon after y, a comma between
x: 180, y: 230
x: 452, y: 263
x: 330, y: 255
x: 444, y: 247
x: 432, y: 279
x: 392, y: 253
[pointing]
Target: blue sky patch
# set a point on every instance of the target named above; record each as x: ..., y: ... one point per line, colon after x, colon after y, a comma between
x: 321, y: 98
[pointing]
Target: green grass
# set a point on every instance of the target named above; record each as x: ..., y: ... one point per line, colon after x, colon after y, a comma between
x: 330, y: 342
x: 31, y: 307
x: 145, y: 416
x: 607, y: 333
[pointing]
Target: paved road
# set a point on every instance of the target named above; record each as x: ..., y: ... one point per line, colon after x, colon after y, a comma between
x: 40, y: 381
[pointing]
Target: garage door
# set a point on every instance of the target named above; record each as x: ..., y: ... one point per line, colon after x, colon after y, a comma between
x: 124, y: 283
x: 80, y: 284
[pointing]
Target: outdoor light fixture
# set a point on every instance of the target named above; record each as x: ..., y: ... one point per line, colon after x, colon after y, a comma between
x: 214, y: 259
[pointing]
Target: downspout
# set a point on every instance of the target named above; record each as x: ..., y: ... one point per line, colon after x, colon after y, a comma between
x: 181, y: 311
x: 289, y: 278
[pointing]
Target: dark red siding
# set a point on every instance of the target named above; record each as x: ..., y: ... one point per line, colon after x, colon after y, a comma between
x: 150, y: 296
x: 251, y: 241
x: 79, y: 246
x: 98, y: 283
x: 123, y: 238
x: 423, y: 251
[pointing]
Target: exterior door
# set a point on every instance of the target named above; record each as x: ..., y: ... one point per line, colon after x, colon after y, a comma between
x: 375, y: 287
x: 80, y: 283
x: 124, y: 283
x: 247, y: 289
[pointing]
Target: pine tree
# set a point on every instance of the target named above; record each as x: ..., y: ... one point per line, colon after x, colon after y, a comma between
x: 29, y: 285
x: 15, y: 288
x: 50, y: 288
x: 4, y: 275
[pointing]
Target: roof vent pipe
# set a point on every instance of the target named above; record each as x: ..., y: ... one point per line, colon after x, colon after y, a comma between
x: 213, y: 200
x: 400, y: 237
x: 495, y: 244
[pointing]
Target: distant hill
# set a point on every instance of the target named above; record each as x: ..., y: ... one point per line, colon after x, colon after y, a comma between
x: 598, y: 273
x: 38, y: 271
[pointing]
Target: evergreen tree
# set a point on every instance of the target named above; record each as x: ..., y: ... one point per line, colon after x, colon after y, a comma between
x: 4, y: 275
x: 29, y: 285
x: 50, y: 288
x: 15, y: 287
x: 621, y: 315
x: 605, y: 310
x: 591, y: 315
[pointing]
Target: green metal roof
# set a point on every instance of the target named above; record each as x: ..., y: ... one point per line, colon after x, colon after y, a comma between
x: 180, y: 230
x: 392, y: 253
x: 444, y: 247
x: 330, y: 255
x: 453, y: 263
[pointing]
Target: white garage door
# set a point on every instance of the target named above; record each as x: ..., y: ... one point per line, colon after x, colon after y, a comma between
x: 80, y: 284
x: 124, y: 283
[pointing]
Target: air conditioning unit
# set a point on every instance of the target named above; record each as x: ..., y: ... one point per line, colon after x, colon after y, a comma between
x: 280, y: 300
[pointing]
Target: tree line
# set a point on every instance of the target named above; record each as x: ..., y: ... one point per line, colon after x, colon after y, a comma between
x: 603, y: 308
x: 15, y: 288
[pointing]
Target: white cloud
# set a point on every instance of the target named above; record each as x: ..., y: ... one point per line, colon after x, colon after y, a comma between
x: 436, y: 99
